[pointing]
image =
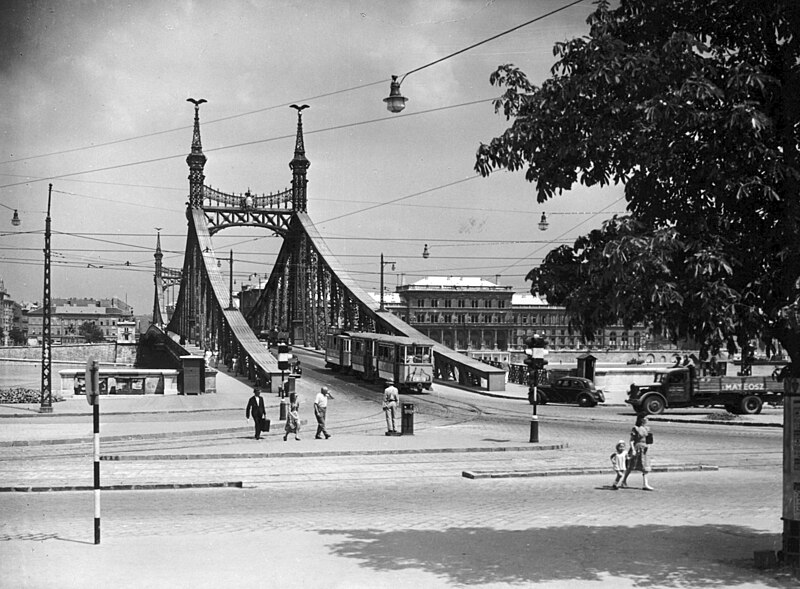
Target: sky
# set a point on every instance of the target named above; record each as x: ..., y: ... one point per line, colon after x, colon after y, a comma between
x: 93, y: 100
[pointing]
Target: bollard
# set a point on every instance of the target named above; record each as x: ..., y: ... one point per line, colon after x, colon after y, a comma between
x: 283, y: 409
x: 534, y: 429
x: 407, y: 420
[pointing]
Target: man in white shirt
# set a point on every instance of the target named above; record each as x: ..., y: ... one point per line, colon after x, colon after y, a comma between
x: 320, y: 409
x: 390, y: 401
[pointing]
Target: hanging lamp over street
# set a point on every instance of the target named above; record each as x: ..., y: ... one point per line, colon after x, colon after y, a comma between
x: 543, y: 224
x: 395, y: 102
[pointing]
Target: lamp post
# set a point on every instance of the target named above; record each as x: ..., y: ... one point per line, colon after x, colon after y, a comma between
x: 46, y: 405
x: 383, y: 263
x: 230, y: 283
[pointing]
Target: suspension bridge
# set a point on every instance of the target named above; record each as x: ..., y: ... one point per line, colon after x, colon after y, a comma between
x: 308, y: 292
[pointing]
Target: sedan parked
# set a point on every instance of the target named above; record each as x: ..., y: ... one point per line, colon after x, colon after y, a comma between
x: 571, y: 389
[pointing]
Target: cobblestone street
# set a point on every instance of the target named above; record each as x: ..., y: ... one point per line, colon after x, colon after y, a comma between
x: 366, y: 510
x: 697, y: 529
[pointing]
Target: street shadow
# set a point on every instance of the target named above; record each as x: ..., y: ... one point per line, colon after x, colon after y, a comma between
x: 650, y: 555
x: 74, y: 541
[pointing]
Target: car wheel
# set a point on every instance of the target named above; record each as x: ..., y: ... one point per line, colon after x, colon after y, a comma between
x: 653, y: 405
x: 750, y: 405
x: 585, y: 401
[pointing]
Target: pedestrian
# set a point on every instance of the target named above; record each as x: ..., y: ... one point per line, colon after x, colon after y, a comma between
x: 638, y: 459
x: 292, y: 418
x: 320, y: 410
x: 619, y: 462
x: 390, y: 401
x: 255, y: 406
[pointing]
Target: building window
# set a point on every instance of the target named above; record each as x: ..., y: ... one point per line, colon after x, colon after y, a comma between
x: 475, y: 303
x: 462, y: 318
x: 420, y: 302
x: 420, y: 318
x: 448, y: 318
x: 448, y: 303
x: 487, y: 304
x: 461, y: 303
x: 434, y: 302
x: 501, y: 304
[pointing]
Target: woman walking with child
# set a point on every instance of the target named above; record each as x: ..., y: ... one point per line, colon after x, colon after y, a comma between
x: 638, y: 459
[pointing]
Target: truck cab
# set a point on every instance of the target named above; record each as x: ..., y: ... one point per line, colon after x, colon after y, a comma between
x: 670, y: 388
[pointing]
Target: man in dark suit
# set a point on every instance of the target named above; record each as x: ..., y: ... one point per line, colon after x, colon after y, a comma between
x: 256, y: 406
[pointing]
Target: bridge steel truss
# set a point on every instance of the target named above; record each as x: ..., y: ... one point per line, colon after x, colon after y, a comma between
x: 307, y: 294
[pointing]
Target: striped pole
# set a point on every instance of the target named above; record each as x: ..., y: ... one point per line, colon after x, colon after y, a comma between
x: 96, y: 420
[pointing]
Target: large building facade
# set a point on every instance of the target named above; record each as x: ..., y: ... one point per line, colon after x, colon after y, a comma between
x: 67, y: 316
x: 474, y: 315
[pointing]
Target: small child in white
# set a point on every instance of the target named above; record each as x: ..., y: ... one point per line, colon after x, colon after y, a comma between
x: 619, y: 462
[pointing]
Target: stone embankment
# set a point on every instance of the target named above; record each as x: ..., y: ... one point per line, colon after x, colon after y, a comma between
x: 105, y: 353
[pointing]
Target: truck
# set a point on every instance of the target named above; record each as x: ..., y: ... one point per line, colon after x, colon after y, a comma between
x: 681, y: 387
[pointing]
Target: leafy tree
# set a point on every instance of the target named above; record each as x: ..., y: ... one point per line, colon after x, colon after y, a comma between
x: 16, y: 335
x: 91, y: 332
x: 693, y: 105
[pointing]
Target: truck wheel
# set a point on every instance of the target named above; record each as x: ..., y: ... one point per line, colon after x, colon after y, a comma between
x: 653, y: 405
x: 750, y: 405
x: 586, y: 401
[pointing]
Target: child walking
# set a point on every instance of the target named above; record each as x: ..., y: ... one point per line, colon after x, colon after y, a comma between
x: 292, y: 418
x: 619, y: 461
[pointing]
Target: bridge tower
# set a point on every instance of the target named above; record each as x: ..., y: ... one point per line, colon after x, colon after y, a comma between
x: 298, y: 266
x: 158, y: 283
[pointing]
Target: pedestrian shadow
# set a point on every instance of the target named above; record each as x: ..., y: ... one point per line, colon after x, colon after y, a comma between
x: 646, y: 555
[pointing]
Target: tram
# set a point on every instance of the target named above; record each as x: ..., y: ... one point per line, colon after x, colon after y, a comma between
x: 377, y: 356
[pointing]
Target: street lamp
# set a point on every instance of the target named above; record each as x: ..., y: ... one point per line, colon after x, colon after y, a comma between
x: 46, y: 405
x: 383, y: 263
x: 543, y: 224
x: 395, y: 102
x: 425, y: 253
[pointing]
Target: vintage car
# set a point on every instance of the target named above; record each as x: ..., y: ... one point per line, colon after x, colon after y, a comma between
x: 571, y: 389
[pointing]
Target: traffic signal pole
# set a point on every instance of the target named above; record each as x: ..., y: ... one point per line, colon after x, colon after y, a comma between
x: 536, y: 351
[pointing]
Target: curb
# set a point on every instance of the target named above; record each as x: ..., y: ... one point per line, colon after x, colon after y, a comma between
x: 88, y: 414
x: 507, y: 474
x: 123, y: 438
x: 714, y: 422
x: 144, y: 487
x: 251, y: 455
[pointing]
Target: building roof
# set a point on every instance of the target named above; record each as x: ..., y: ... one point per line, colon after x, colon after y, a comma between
x: 454, y: 282
x: 526, y: 298
x: 389, y: 298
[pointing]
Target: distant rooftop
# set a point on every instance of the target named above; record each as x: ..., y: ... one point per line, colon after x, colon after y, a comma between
x: 526, y: 298
x: 389, y: 298
x: 454, y: 283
